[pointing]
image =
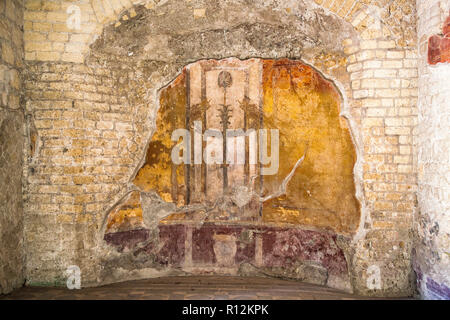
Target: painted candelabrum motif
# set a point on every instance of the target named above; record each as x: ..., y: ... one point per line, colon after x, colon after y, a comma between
x: 224, y: 81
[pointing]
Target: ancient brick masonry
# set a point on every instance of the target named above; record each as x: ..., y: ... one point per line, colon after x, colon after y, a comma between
x: 92, y: 96
x: 11, y: 145
x: 77, y: 171
x: 92, y: 129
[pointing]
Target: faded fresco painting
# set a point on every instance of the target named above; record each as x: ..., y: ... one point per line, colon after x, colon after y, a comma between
x: 247, y: 156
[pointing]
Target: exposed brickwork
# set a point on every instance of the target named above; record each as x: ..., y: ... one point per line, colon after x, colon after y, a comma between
x: 11, y: 145
x: 92, y: 122
x: 84, y: 126
x: 384, y: 80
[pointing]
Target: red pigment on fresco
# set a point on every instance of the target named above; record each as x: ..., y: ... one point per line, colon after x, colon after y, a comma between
x: 203, y: 244
x: 282, y: 247
x: 439, y: 45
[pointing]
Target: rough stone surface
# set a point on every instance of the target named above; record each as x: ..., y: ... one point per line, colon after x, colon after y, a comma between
x: 432, y: 223
x: 11, y: 146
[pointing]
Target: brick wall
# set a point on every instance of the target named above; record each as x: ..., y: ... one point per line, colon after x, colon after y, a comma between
x: 86, y: 135
x: 91, y: 139
x: 11, y: 145
x: 432, y: 259
x: 384, y: 80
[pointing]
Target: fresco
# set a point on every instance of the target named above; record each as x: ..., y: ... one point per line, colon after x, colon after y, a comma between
x: 439, y: 45
x: 305, y: 108
x: 246, y: 155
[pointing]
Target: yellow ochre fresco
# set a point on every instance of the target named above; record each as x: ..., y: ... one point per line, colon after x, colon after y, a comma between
x: 127, y: 215
x: 284, y: 94
x: 305, y: 108
x: 158, y: 173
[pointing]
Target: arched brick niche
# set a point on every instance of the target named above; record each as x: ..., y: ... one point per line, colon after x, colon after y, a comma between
x: 179, y: 218
x: 94, y: 114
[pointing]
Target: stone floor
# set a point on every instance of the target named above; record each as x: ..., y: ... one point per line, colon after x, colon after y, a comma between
x: 187, y: 288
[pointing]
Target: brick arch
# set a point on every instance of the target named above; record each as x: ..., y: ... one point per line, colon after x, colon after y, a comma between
x: 355, y: 12
x: 113, y: 10
x: 116, y: 12
x: 345, y: 9
x: 47, y: 37
x: 360, y: 13
x: 382, y: 128
x: 107, y: 11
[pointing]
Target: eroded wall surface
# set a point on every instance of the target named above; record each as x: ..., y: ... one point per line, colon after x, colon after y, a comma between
x: 11, y: 145
x: 432, y: 250
x: 93, y: 94
x: 226, y: 210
